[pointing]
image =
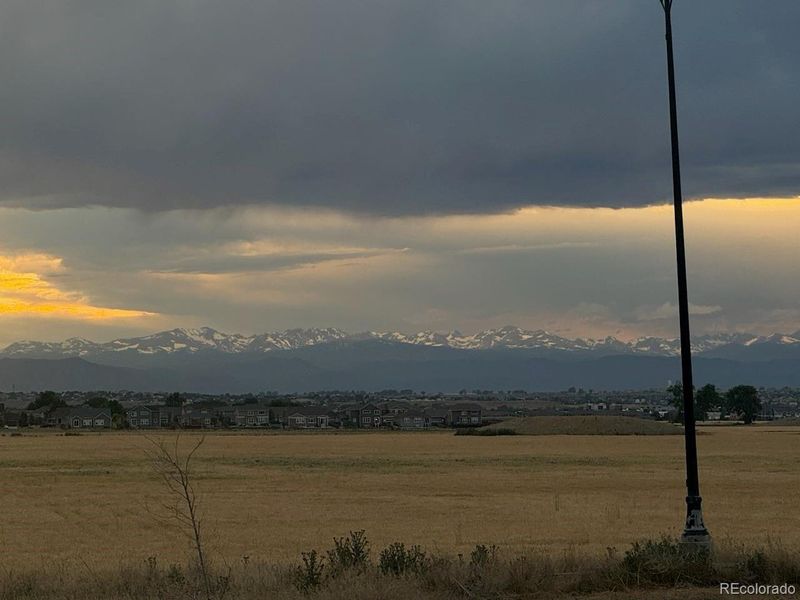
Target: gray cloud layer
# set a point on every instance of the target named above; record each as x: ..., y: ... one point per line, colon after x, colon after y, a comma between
x: 578, y: 272
x: 392, y: 107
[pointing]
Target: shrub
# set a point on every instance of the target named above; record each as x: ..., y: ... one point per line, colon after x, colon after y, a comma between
x: 175, y: 575
x: 756, y: 567
x: 152, y: 565
x: 667, y: 562
x: 398, y: 560
x: 482, y: 556
x: 773, y: 564
x: 350, y: 552
x: 308, y: 576
x: 521, y: 576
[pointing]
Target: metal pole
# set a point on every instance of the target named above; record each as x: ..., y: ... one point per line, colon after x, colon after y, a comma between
x: 694, y: 530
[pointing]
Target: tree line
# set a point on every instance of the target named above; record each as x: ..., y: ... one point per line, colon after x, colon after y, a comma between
x: 741, y: 400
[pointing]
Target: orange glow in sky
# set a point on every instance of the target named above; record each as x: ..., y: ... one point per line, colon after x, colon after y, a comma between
x: 23, y: 292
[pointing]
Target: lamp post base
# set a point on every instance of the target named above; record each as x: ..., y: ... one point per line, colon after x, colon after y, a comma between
x: 695, y: 532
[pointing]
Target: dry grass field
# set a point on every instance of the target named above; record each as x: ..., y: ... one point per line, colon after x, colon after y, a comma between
x: 583, y: 425
x: 95, y: 499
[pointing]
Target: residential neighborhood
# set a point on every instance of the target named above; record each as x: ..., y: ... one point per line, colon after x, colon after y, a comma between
x: 403, y: 410
x: 253, y: 415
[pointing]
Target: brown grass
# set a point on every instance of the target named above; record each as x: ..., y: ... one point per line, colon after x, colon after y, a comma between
x: 584, y: 425
x: 653, y: 569
x: 90, y: 498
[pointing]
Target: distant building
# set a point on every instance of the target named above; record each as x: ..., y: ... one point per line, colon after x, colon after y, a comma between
x: 395, y: 407
x: 308, y: 417
x: 153, y: 416
x: 13, y: 419
x: 412, y: 419
x: 200, y: 418
x: 249, y: 415
x: 437, y: 417
x: 464, y: 414
x: 370, y: 416
x: 80, y: 417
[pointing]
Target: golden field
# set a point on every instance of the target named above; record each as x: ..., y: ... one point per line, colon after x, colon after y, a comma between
x: 95, y: 498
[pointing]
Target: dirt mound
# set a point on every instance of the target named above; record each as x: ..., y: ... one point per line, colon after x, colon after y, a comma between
x: 585, y: 425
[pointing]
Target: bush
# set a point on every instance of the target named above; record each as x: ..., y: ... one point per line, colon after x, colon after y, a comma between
x: 398, y: 560
x: 773, y: 564
x: 351, y: 552
x: 308, y: 576
x: 408, y: 572
x: 756, y: 567
x: 482, y: 556
x: 667, y: 562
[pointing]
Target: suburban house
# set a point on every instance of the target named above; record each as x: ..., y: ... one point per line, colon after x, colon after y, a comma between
x: 363, y: 415
x: 79, y: 417
x: 464, y: 414
x: 200, y: 418
x: 405, y: 415
x: 12, y: 419
x: 412, y: 419
x: 140, y: 416
x: 370, y: 416
x: 437, y: 417
x: 248, y: 415
x: 152, y: 416
x: 307, y: 417
x: 391, y: 414
x: 348, y: 415
x: 395, y: 407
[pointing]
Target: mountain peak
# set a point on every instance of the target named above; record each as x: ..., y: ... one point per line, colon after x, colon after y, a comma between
x: 182, y: 341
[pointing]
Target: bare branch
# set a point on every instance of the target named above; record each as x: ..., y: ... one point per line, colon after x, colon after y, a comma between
x: 175, y: 471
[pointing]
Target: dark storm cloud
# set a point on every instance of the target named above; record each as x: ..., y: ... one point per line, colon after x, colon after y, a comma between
x: 392, y: 107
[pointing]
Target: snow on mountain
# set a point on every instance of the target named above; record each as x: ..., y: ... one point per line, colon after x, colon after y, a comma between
x: 702, y: 343
x: 504, y: 337
x: 514, y: 337
x: 655, y: 345
x: 780, y: 338
x: 32, y: 349
x: 208, y: 339
x: 179, y: 340
x: 294, y: 338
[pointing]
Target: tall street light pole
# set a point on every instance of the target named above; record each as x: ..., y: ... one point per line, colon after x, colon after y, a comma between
x: 695, y: 530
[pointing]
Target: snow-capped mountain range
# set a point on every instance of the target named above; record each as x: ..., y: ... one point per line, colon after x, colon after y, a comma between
x: 191, y: 341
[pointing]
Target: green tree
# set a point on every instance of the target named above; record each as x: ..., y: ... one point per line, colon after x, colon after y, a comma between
x: 114, y: 407
x: 282, y: 402
x: 676, y: 399
x: 175, y: 399
x: 97, y: 402
x: 744, y: 400
x: 48, y: 399
x: 706, y: 398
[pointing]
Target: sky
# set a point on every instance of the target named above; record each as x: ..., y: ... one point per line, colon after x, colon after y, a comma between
x: 383, y: 165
